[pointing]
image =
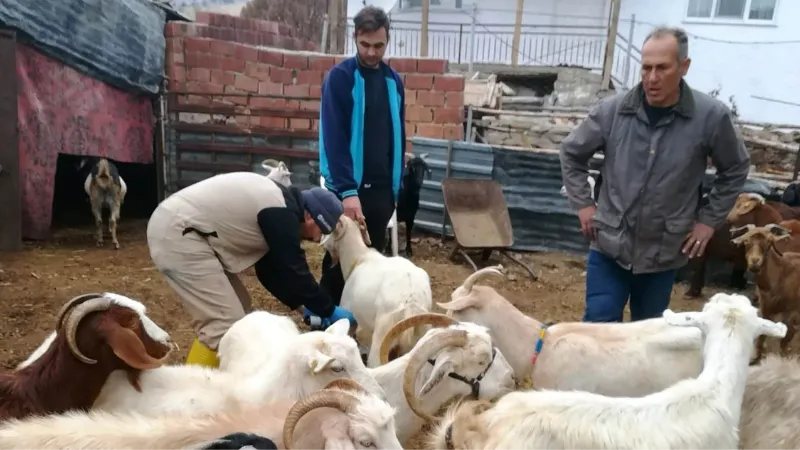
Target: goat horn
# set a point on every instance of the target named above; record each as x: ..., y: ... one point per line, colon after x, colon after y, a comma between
x: 435, y: 319
x: 74, y: 320
x: 346, y: 384
x: 450, y: 338
x: 343, y: 401
x: 71, y: 304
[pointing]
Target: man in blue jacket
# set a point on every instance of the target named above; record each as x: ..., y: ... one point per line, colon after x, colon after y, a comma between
x: 362, y: 135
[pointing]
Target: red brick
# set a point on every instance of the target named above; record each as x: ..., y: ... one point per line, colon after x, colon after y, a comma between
x: 176, y: 72
x: 197, y: 100
x: 403, y: 64
x: 300, y: 124
x: 203, y: 17
x: 309, y: 77
x: 340, y: 58
x: 410, y: 128
x: 315, y: 91
x: 257, y: 71
x: 409, y: 145
x: 237, y: 100
x: 279, y: 75
x: 437, y: 66
x: 411, y: 97
x: 448, y: 115
x: 272, y: 122
x: 309, y: 105
x: 321, y: 62
x: 315, y: 125
x: 246, y: 53
x: 419, y: 82
x: 429, y: 130
x: 199, y: 74
x: 271, y: 57
x: 295, y: 61
x: 222, y: 48
x: 177, y: 29
x: 419, y: 114
x: 197, y: 45
x: 176, y: 58
x: 245, y: 83
x: 270, y: 88
x: 292, y: 104
x: 199, y: 87
x: 454, y: 132
x: 430, y: 98
x: 176, y: 85
x: 232, y: 64
x: 210, y: 61
x: 243, y: 120
x: 448, y: 83
x: 295, y: 90
x: 454, y: 99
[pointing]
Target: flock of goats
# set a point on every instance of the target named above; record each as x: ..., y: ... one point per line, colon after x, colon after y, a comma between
x: 504, y: 380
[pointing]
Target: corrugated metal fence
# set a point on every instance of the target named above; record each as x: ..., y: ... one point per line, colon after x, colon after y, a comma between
x: 541, y: 218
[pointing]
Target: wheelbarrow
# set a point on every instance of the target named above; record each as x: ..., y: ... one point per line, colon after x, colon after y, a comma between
x: 480, y: 220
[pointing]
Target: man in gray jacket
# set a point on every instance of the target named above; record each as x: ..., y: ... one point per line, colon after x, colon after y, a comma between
x: 656, y: 140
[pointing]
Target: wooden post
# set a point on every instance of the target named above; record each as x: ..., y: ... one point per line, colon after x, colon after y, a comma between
x: 334, y: 27
x: 10, y: 177
x: 423, y: 31
x: 611, y: 43
x: 517, y: 32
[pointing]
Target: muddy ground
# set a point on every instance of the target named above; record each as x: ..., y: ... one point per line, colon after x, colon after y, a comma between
x: 35, y: 283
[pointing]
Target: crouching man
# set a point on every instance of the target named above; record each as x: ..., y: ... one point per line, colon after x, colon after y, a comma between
x: 203, y: 235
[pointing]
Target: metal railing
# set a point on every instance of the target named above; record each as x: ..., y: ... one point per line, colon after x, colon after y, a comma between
x: 540, y: 45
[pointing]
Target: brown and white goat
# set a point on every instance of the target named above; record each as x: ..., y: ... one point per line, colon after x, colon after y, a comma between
x: 95, y: 335
x: 772, y: 255
x: 105, y: 186
x: 751, y: 208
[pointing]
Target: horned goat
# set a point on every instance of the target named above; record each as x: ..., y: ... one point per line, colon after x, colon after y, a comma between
x: 771, y: 253
x: 277, y: 171
x: 342, y: 415
x: 304, y: 364
x: 700, y: 412
x: 96, y: 335
x: 580, y: 355
x: 447, y: 363
x: 105, y: 186
x: 380, y: 290
x: 249, y: 344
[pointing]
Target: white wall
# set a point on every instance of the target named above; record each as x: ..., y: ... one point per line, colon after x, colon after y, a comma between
x: 765, y: 70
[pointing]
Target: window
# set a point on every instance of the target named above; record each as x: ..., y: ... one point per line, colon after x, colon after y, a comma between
x: 732, y: 10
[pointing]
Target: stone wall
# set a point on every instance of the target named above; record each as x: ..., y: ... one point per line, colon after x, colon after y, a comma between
x: 229, y: 55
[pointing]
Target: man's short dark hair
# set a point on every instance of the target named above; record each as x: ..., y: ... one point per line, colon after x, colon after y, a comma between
x: 370, y: 19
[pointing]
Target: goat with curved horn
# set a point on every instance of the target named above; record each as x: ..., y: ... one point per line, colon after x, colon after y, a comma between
x: 74, y: 319
x: 435, y: 319
x: 343, y: 401
x: 75, y: 301
x: 450, y: 338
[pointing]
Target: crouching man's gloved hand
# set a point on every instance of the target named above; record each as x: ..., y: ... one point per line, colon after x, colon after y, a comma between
x: 338, y: 314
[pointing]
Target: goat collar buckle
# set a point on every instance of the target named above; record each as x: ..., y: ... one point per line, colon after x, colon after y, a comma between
x: 539, y: 344
x: 474, y: 383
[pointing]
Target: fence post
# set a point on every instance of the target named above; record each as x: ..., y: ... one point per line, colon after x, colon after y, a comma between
x: 629, y: 51
x: 460, y: 35
x: 472, y: 35
x: 323, y: 47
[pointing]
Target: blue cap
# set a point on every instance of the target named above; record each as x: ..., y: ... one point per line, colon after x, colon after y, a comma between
x: 324, y: 207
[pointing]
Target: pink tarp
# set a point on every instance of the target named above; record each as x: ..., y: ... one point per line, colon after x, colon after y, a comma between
x: 64, y: 111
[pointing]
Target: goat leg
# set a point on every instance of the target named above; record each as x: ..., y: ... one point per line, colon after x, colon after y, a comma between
x: 792, y: 324
x: 409, y: 225
x: 97, y: 210
x: 112, y: 223
x: 698, y: 278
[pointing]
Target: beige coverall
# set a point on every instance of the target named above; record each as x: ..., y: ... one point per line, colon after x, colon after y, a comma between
x: 202, y: 236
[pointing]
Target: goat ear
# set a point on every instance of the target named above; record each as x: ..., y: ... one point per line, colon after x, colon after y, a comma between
x: 362, y: 226
x: 319, y: 362
x: 771, y: 329
x: 128, y: 347
x: 339, y: 328
x: 778, y: 232
x: 440, y: 370
x: 684, y: 319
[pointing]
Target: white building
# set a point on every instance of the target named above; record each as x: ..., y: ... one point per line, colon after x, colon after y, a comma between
x: 745, y: 48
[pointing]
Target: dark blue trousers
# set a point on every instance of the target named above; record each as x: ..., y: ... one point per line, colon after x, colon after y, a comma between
x: 608, y: 287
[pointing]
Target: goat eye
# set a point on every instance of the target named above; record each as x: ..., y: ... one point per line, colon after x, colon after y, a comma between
x: 337, y: 369
x: 367, y: 444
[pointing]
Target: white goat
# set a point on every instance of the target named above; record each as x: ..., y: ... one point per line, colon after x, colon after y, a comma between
x: 771, y: 405
x: 578, y: 355
x: 252, y: 342
x: 341, y: 416
x: 277, y: 171
x: 589, y: 179
x: 701, y: 413
x: 445, y: 364
x: 379, y: 290
x: 304, y: 364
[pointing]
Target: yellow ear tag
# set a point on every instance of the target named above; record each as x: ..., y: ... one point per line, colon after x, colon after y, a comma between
x: 313, y: 367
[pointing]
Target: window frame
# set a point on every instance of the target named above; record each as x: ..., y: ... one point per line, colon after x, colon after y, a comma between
x: 745, y: 20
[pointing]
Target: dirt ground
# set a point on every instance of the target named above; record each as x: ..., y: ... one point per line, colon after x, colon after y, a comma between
x: 35, y: 283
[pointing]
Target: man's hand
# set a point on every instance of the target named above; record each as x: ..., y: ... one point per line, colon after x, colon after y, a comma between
x: 586, y: 216
x: 352, y: 208
x: 697, y: 240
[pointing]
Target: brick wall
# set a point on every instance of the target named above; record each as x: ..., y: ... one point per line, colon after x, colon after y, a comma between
x: 229, y: 55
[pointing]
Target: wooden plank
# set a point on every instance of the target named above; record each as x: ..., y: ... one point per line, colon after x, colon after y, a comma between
x: 212, y: 166
x: 266, y: 151
x: 10, y: 192
x: 247, y: 131
x: 238, y: 110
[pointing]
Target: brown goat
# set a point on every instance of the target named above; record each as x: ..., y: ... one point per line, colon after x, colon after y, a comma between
x: 792, y: 225
x: 754, y: 209
x: 774, y: 257
x: 94, y: 336
x: 105, y: 186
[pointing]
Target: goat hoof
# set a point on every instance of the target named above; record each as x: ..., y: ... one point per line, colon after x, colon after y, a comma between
x: 116, y: 245
x: 692, y: 293
x: 99, y: 243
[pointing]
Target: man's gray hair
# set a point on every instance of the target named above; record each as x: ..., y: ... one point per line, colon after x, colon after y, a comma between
x: 678, y: 33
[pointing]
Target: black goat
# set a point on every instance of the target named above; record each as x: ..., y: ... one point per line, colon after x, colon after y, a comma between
x: 408, y: 199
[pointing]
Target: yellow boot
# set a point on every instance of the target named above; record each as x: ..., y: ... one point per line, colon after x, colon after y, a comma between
x: 201, y: 355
